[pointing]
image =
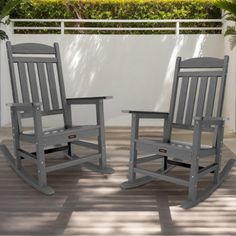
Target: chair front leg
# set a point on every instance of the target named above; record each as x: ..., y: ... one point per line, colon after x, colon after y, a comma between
x: 193, y: 178
x: 15, y: 134
x: 133, y: 147
x: 101, y: 134
x: 41, y: 168
x: 42, y: 175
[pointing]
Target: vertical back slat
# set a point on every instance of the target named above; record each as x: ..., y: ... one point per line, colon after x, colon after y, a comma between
x: 23, y: 82
x: 201, y: 96
x: 33, y: 82
x: 52, y: 86
x: 43, y: 86
x: 211, y: 97
x: 191, y: 101
x: 182, y: 100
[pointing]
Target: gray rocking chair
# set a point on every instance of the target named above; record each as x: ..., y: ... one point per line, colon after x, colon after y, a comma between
x: 196, y: 104
x: 35, y: 79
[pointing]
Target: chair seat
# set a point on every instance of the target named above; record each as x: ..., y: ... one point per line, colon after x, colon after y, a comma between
x: 57, y: 135
x: 174, y: 148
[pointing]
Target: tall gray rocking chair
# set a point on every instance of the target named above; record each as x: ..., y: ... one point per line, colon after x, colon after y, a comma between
x: 196, y: 104
x: 38, y: 91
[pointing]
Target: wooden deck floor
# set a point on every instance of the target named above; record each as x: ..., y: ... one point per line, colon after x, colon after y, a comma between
x: 87, y: 203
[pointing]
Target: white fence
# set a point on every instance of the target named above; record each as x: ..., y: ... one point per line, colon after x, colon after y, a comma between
x: 136, y: 69
x: 117, y: 25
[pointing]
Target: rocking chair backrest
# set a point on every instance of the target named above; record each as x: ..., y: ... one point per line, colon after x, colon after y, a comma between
x: 198, y: 90
x: 36, y: 76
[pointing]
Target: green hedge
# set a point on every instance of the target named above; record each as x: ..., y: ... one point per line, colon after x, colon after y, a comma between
x: 117, y: 9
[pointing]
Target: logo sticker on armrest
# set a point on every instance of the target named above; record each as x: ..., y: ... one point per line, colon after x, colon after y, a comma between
x: 162, y: 150
x: 72, y: 136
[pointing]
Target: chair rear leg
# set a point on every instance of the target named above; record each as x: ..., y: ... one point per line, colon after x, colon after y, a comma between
x: 164, y: 163
x: 133, y: 148
x: 68, y: 118
x: 219, y: 144
x: 69, y: 149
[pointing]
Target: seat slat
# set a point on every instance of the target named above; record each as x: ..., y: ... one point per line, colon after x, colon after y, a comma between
x: 43, y: 86
x: 33, y: 82
x: 211, y: 96
x: 23, y: 82
x: 52, y: 86
x: 191, y: 101
x: 182, y: 100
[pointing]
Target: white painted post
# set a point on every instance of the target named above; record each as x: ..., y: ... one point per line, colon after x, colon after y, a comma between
x: 177, y: 28
x: 62, y: 27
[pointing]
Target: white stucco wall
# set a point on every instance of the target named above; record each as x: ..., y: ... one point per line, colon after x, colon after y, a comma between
x: 230, y: 96
x: 136, y: 69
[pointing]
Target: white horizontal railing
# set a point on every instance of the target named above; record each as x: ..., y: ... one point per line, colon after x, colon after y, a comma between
x: 62, y: 25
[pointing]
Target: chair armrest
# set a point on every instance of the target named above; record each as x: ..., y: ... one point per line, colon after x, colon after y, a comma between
x: 24, y: 106
x: 209, y: 120
x: 148, y: 114
x: 86, y: 100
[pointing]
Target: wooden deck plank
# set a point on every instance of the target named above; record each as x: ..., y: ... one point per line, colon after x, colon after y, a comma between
x: 88, y: 203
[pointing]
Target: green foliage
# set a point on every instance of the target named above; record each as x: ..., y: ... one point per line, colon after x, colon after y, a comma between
x: 229, y: 6
x: 3, y: 35
x: 117, y: 9
x: 5, y: 7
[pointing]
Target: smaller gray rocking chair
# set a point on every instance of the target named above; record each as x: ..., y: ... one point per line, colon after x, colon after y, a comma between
x: 196, y: 104
x: 38, y: 91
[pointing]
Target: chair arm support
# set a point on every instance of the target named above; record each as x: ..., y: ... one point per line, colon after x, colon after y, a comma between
x: 85, y: 100
x: 202, y: 124
x: 148, y: 114
x: 30, y: 108
x: 98, y: 101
